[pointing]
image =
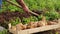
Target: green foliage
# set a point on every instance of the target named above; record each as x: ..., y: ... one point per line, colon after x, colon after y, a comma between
x: 4, y: 6
x: 34, y: 5
x: 57, y: 4
x: 7, y: 6
x: 52, y: 15
x: 50, y: 5
x: 3, y: 32
x: 33, y: 18
x: 15, y: 21
x: 30, y: 19
x: 42, y: 4
x: 26, y: 20
x: 40, y: 17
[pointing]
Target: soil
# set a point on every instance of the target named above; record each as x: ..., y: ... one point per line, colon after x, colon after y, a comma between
x: 7, y: 15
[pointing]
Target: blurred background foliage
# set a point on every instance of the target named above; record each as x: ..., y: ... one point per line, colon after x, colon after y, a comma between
x: 52, y: 7
x: 34, y: 5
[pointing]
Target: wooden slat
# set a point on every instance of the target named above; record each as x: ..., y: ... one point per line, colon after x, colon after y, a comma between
x: 40, y: 29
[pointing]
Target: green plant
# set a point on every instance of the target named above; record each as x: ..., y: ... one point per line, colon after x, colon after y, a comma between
x: 4, y: 32
x: 34, y: 5
x: 40, y: 17
x: 15, y: 21
x: 52, y: 15
x: 30, y: 19
x: 57, y: 5
x: 50, y: 5
x: 26, y: 20
x: 7, y: 6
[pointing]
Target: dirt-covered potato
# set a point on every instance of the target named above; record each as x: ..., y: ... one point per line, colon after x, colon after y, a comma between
x: 52, y: 23
x: 21, y: 26
x: 24, y: 27
x: 36, y: 24
x: 31, y: 25
x: 56, y: 20
x: 41, y: 23
x: 13, y: 28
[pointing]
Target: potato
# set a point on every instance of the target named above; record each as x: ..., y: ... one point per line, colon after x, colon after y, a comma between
x: 32, y: 25
x: 41, y: 23
x: 44, y: 22
x: 51, y: 23
x: 19, y: 26
x: 24, y: 27
x: 35, y: 24
x: 13, y: 28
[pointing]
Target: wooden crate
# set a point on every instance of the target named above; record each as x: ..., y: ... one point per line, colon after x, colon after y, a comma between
x: 35, y: 30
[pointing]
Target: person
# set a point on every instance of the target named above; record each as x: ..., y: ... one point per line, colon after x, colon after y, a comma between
x: 0, y: 3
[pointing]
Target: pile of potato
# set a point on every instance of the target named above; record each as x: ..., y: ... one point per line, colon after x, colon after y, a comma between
x: 31, y: 25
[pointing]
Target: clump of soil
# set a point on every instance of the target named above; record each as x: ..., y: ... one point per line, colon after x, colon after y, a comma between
x: 8, y: 15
